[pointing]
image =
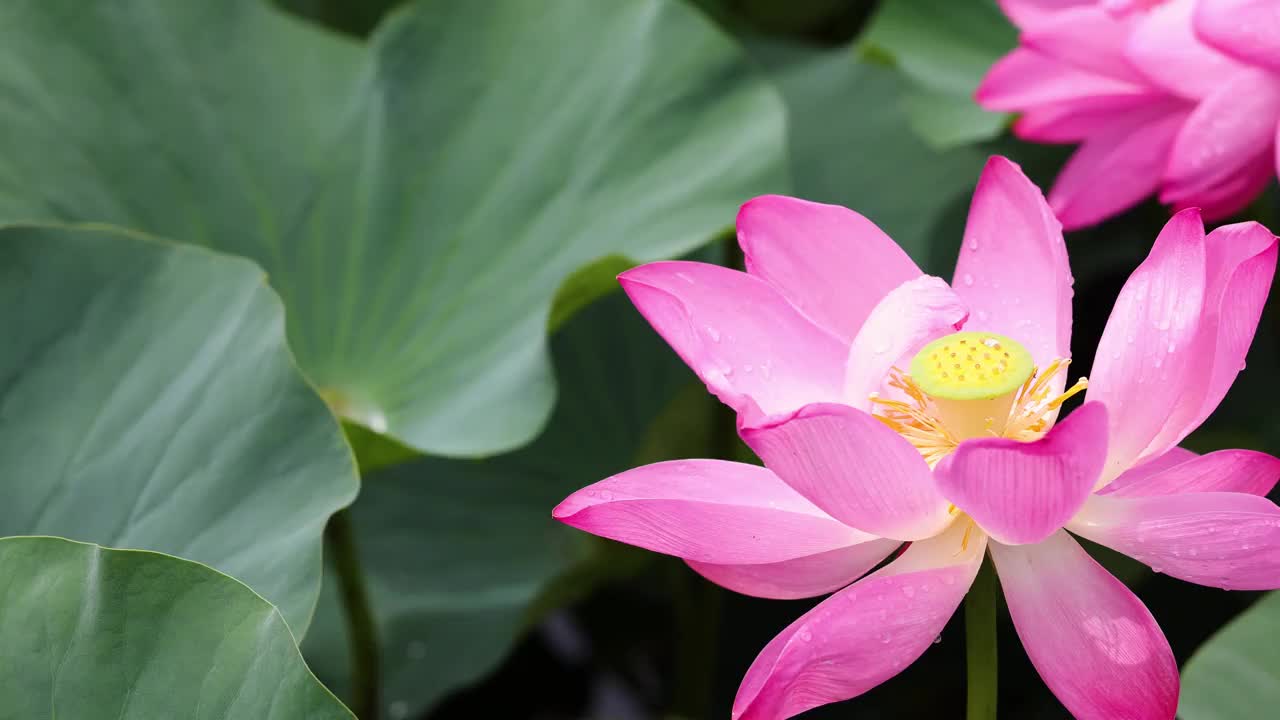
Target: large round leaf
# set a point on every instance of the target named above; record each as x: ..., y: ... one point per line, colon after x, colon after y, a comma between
x: 1236, y: 674
x: 416, y: 202
x: 945, y: 48
x: 148, y: 400
x: 457, y: 552
x: 87, y: 632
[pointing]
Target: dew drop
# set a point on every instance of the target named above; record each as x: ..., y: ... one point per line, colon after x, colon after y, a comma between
x: 908, y: 591
x: 937, y: 640
x: 713, y: 333
x: 968, y: 280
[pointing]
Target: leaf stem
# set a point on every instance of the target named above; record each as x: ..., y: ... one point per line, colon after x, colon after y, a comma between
x: 980, y: 644
x: 362, y: 632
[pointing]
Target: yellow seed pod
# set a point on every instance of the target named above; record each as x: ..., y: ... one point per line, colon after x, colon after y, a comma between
x: 971, y: 366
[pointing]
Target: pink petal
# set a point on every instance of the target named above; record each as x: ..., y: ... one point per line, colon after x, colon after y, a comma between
x: 1149, y: 468
x: 1134, y: 371
x: 864, y: 634
x: 1031, y: 13
x: 1121, y: 8
x: 1240, y: 263
x: 1087, y: 38
x: 1094, y: 643
x: 1075, y: 121
x: 1165, y: 48
x: 747, y: 343
x: 830, y: 262
x: 1225, y: 134
x: 1025, y: 79
x: 914, y: 313
x: 1024, y: 492
x: 802, y: 577
x: 855, y: 468
x: 1118, y: 166
x: 1181, y: 471
x: 708, y: 511
x: 1223, y: 197
x: 1222, y: 539
x: 1244, y: 29
x: 1013, y: 270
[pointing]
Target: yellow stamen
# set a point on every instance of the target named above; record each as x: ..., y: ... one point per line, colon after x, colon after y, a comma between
x: 964, y: 541
x: 919, y: 418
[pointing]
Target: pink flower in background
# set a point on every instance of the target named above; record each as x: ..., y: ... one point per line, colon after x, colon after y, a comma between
x: 890, y: 407
x: 1154, y: 107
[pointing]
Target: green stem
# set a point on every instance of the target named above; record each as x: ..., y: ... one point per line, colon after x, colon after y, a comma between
x: 980, y: 643
x: 362, y: 632
x: 698, y: 625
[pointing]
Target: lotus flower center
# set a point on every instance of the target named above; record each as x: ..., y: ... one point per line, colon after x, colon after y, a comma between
x: 971, y: 366
x: 973, y: 384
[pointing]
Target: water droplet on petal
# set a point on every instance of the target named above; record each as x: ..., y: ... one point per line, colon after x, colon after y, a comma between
x: 968, y: 280
x: 713, y: 333
x: 937, y: 640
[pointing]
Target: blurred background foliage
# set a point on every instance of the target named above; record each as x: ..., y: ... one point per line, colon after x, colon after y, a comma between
x: 527, y: 129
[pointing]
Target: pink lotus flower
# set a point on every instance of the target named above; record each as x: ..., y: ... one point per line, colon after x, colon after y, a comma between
x: 1153, y: 107
x: 880, y: 423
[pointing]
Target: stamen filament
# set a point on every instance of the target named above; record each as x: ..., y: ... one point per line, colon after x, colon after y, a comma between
x: 918, y: 418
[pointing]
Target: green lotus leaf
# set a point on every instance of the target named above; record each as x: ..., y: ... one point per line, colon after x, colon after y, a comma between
x: 416, y: 201
x: 88, y: 632
x: 148, y: 400
x: 945, y: 48
x: 461, y: 555
x: 1236, y: 673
